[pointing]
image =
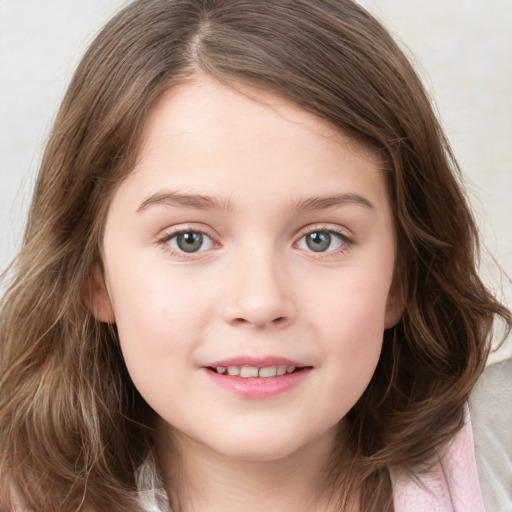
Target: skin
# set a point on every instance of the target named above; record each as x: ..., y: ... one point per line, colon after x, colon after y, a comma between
x: 255, y: 288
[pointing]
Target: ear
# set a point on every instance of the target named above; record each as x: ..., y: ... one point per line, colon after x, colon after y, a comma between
x: 396, y: 298
x: 97, y: 296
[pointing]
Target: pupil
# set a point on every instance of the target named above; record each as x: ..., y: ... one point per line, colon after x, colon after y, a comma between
x: 190, y: 242
x: 318, y: 241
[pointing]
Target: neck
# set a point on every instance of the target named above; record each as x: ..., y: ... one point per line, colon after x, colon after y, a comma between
x: 199, y: 479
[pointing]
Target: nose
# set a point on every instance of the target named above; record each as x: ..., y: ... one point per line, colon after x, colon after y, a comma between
x: 260, y: 294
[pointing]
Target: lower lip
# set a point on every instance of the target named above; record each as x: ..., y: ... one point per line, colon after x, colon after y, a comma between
x: 258, y: 387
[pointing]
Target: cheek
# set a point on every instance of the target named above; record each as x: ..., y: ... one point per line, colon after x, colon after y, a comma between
x: 354, y: 333
x: 351, y: 306
x: 157, y: 318
x: 159, y: 328
x: 350, y: 322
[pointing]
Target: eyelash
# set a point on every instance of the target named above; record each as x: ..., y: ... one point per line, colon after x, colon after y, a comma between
x: 167, y: 237
x: 346, y: 242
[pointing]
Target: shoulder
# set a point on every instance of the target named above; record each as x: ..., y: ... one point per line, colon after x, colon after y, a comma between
x: 491, y: 416
x: 449, y: 483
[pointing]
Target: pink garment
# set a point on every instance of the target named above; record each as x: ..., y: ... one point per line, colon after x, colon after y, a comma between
x: 451, y: 486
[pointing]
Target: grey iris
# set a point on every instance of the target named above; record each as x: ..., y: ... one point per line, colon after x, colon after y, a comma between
x: 189, y: 242
x: 319, y: 241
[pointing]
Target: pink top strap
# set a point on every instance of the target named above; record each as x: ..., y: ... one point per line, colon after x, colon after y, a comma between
x: 452, y: 484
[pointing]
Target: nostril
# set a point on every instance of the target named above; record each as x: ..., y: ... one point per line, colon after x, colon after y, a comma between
x: 277, y: 322
x: 240, y: 321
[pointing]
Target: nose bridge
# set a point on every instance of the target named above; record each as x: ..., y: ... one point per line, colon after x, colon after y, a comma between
x: 260, y: 289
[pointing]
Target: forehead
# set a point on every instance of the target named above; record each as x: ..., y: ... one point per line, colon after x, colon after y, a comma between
x: 219, y: 107
x: 205, y: 137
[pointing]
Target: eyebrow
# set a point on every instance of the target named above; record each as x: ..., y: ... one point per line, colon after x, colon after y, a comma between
x: 178, y: 199
x: 325, y: 202
x: 202, y: 202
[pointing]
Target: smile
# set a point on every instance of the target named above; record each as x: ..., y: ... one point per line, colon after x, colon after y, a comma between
x: 246, y: 372
x: 255, y: 378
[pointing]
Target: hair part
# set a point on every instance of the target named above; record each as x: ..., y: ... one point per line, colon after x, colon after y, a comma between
x: 73, y: 428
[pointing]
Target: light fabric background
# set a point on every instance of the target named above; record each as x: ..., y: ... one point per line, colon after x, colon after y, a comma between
x: 462, y: 48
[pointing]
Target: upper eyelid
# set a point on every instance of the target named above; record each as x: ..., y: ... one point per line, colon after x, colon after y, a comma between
x: 329, y: 228
x: 347, y: 240
x: 170, y: 232
x: 163, y: 241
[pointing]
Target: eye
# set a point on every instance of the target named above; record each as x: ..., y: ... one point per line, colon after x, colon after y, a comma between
x: 322, y: 241
x: 189, y: 241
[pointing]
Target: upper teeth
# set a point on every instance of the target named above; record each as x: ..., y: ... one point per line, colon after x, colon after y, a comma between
x: 253, y: 371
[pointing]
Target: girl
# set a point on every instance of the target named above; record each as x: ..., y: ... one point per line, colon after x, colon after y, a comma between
x: 248, y: 277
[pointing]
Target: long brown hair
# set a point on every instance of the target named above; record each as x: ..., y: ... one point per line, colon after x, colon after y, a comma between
x: 73, y: 429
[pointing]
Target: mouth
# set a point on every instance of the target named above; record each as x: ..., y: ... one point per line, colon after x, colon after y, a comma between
x: 257, y: 378
x: 255, y: 372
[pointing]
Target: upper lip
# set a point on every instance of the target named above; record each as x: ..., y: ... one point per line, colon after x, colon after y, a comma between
x: 258, y: 362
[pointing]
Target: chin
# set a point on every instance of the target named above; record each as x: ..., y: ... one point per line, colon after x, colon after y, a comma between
x: 256, y: 453
x: 262, y: 446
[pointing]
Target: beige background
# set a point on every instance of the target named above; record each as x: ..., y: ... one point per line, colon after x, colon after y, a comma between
x: 462, y: 48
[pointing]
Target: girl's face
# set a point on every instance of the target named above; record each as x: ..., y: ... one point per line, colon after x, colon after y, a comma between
x: 248, y: 261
